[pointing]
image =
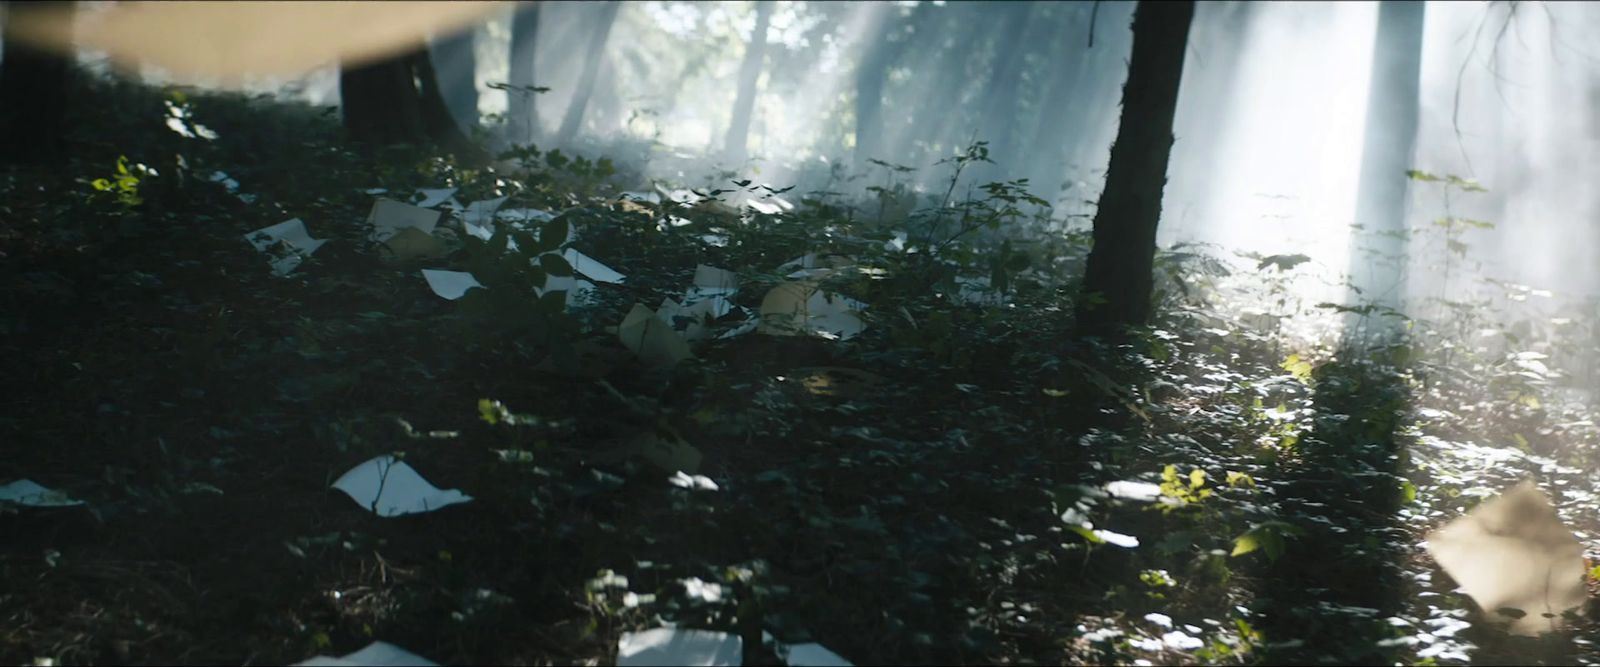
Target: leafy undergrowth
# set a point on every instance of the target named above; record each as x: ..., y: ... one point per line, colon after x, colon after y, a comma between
x: 960, y: 482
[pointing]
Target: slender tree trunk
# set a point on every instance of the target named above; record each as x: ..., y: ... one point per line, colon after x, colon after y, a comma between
x: 1386, y: 153
x: 735, y: 147
x: 573, y: 121
x: 1118, y: 280
x: 522, y: 111
x: 33, y: 94
x: 457, y: 65
x: 871, y: 72
x: 397, y: 101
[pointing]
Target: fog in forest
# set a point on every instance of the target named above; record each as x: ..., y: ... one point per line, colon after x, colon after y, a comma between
x: 1269, y: 132
x: 843, y: 323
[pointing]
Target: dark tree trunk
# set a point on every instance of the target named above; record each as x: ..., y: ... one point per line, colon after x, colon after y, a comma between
x: 384, y: 104
x: 573, y: 121
x: 457, y: 65
x: 870, y: 75
x: 1000, y: 114
x: 1386, y: 155
x: 1118, y: 279
x: 749, y: 73
x: 33, y: 94
x: 522, y: 116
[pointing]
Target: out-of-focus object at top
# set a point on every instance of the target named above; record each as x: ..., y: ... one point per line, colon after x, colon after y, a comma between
x: 231, y: 40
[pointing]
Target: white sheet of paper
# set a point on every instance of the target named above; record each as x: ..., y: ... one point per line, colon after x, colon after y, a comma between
x: 478, y: 217
x: 677, y: 646
x: 578, y: 290
x: 520, y: 216
x: 637, y: 195
x: 433, y: 197
x: 590, y: 267
x: 800, y: 309
x: 711, y: 277
x: 451, y: 285
x: 651, y: 338
x: 292, y: 233
x: 1513, y: 551
x: 30, y: 494
x: 394, y: 488
x: 376, y: 654
x: 814, y: 655
x: 222, y: 177
x: 388, y: 217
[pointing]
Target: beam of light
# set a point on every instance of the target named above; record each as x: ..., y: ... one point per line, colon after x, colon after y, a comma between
x: 1283, y: 150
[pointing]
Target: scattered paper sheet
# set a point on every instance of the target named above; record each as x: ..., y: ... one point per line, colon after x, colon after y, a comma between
x: 590, y: 267
x: 651, y: 338
x: 977, y: 291
x: 1513, y: 552
x: 376, y: 654
x: 767, y: 208
x: 227, y: 182
x: 410, y: 244
x: 451, y: 285
x: 814, y: 655
x: 392, y: 488
x: 676, y: 646
x: 578, y: 290
x: 800, y: 309
x: 813, y: 265
x: 689, y: 320
x: 429, y: 198
x: 388, y: 217
x: 478, y: 218
x: 521, y: 216
x: 29, y: 494
x: 297, y: 244
x: 637, y: 195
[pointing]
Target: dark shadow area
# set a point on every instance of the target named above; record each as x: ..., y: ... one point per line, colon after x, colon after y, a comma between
x: 1327, y: 598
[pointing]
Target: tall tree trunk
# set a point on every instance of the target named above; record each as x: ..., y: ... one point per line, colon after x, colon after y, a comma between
x: 735, y: 147
x: 397, y: 101
x: 1386, y: 153
x: 573, y: 121
x: 1000, y: 114
x: 33, y: 94
x: 1118, y: 279
x: 457, y: 64
x: 522, y: 114
x: 871, y: 72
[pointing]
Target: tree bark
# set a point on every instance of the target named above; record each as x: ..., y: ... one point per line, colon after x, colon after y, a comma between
x: 397, y: 101
x: 573, y: 121
x: 33, y: 95
x: 735, y: 147
x: 522, y: 114
x: 1118, y: 280
x: 1386, y: 153
x: 457, y: 65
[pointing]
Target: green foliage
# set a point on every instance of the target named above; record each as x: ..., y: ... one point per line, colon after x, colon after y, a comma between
x: 1268, y: 536
x: 123, y: 184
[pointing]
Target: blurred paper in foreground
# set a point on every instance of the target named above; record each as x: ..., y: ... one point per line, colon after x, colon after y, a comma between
x: 1513, y: 552
x: 233, y: 39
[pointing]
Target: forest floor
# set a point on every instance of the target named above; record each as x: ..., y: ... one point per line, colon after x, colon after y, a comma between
x: 960, y: 483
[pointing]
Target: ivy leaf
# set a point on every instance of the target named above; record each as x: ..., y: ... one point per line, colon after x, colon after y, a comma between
x: 555, y: 265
